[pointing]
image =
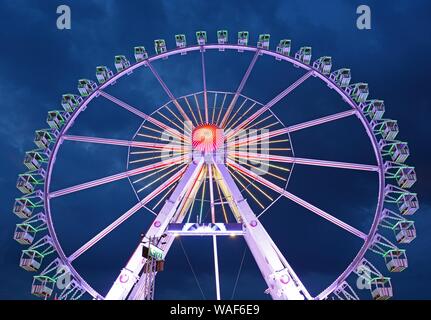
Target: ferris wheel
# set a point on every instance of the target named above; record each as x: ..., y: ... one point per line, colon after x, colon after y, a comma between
x: 209, y: 164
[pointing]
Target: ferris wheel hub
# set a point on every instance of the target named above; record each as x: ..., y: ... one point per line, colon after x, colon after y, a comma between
x: 207, y: 138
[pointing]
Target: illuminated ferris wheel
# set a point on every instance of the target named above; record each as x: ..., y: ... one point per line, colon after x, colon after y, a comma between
x: 209, y: 164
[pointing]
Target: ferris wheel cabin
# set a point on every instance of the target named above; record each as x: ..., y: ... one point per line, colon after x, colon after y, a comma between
x: 408, y: 203
x: 43, y: 138
x: 26, y: 232
x: 85, y: 87
x: 180, y: 40
x: 358, y: 92
x: 405, y: 231
x: 386, y: 128
x: 399, y: 152
x: 103, y: 74
x: 222, y: 36
x: 323, y: 64
x: 43, y: 286
x: 374, y: 109
x: 25, y: 205
x: 32, y: 258
x: 70, y: 102
x: 341, y: 77
x: 27, y: 182
x: 396, y: 260
x: 160, y: 46
x: 56, y: 119
x: 284, y: 47
x: 121, y: 63
x: 304, y: 55
x: 263, y: 42
x: 381, y: 288
x: 140, y: 53
x: 201, y: 37
x: 34, y: 159
x: 406, y: 176
x: 243, y: 38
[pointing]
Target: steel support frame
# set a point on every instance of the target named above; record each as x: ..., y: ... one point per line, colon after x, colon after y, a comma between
x: 136, y: 293
x: 282, y: 281
x: 130, y: 273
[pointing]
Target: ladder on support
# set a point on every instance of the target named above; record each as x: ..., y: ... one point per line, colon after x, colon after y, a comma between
x: 150, y: 271
x: 146, y: 287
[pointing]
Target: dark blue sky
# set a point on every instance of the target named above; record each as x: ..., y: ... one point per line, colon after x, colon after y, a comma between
x: 39, y: 63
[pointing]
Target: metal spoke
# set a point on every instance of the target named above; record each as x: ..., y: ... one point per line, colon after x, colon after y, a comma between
x: 310, y: 162
x: 294, y: 128
x: 221, y: 109
x: 168, y: 92
x: 240, y: 117
x: 216, y: 267
x: 270, y: 260
x: 116, y: 177
x: 213, y: 219
x: 240, y: 88
x: 322, y: 120
x: 125, y: 143
x: 297, y: 200
x: 191, y: 111
x: 204, y: 80
x: 211, y: 189
x: 198, y: 107
x: 280, y: 96
x: 214, y: 108
x: 144, y: 116
x: 126, y: 215
x: 236, y: 112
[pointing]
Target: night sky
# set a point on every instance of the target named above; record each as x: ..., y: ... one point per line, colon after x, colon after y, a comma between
x: 39, y: 63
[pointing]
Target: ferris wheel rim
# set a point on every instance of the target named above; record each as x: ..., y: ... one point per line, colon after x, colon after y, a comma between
x: 51, y: 162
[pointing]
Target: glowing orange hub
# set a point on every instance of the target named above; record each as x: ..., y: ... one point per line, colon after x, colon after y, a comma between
x: 207, y: 138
